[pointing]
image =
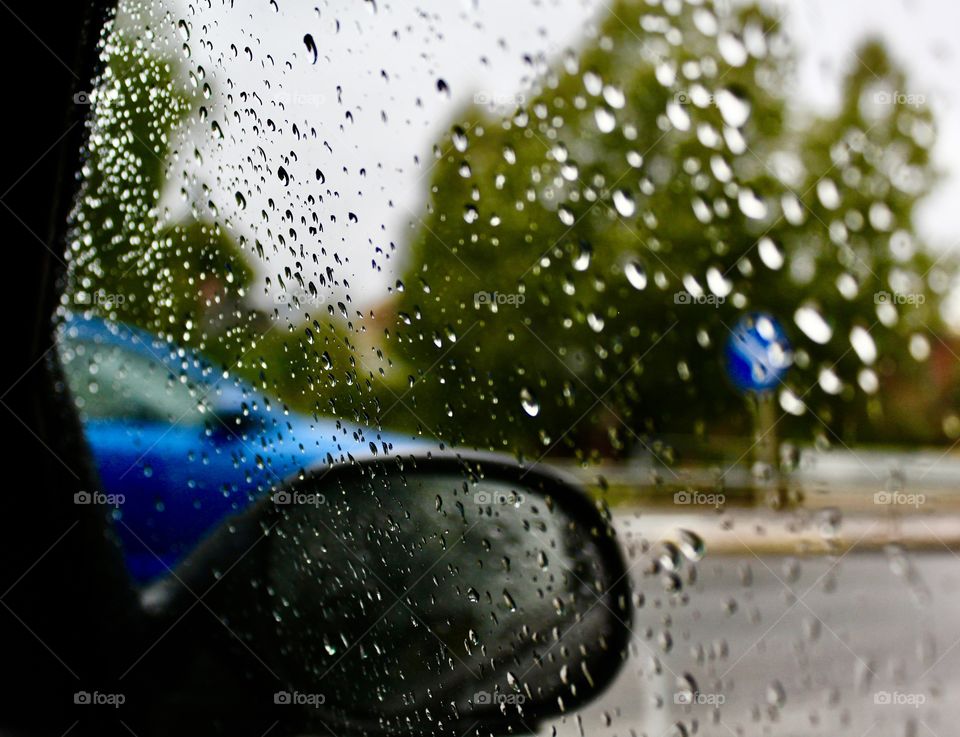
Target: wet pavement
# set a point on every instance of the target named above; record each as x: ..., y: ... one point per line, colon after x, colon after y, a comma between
x: 789, y: 625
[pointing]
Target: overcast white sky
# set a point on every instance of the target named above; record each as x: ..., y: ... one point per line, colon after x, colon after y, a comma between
x: 389, y: 60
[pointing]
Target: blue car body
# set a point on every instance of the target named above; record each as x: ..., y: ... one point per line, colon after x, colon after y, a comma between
x: 179, y: 444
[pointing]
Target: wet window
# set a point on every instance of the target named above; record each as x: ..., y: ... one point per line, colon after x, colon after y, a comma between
x: 697, y: 256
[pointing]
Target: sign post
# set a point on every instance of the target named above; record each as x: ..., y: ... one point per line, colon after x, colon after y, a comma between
x: 757, y: 357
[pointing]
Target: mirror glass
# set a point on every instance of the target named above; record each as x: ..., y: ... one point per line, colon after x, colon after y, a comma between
x: 435, y: 595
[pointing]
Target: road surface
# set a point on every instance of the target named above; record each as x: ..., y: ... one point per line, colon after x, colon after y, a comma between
x: 817, y: 629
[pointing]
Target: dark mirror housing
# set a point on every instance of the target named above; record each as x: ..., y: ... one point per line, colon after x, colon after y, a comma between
x: 434, y: 594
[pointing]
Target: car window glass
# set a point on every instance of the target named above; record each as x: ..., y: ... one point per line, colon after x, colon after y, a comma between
x: 700, y: 255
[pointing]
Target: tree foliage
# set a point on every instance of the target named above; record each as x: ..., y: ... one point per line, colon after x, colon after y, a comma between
x: 652, y: 189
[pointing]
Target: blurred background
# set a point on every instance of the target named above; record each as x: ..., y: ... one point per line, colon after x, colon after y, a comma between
x: 482, y: 233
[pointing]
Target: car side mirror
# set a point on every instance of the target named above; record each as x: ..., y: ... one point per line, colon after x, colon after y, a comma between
x: 429, y: 594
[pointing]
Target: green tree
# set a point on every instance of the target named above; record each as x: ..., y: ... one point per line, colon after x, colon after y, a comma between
x: 660, y: 162
x: 126, y: 260
x: 189, y: 279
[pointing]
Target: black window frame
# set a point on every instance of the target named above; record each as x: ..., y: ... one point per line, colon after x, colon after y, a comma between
x: 68, y: 613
